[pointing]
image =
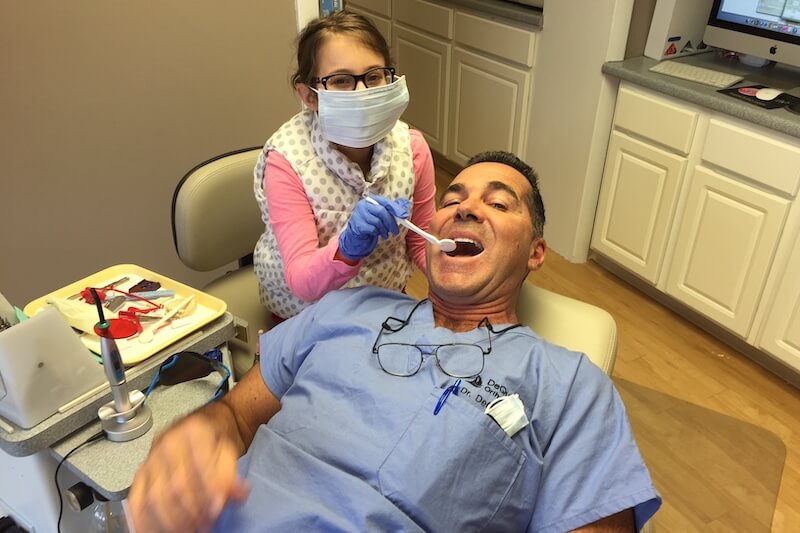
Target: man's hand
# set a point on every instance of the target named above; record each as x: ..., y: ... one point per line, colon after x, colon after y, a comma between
x: 186, y: 480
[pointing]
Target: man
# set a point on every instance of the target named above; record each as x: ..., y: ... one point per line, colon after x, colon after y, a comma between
x: 366, y: 412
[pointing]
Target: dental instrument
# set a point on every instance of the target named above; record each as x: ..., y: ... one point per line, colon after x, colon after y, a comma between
x: 149, y: 334
x: 125, y: 417
x: 447, y: 245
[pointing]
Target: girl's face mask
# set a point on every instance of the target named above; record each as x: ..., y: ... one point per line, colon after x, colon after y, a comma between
x: 361, y: 118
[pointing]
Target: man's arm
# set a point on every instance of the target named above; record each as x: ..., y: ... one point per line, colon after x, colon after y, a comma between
x: 621, y: 522
x: 251, y: 405
x: 190, y: 472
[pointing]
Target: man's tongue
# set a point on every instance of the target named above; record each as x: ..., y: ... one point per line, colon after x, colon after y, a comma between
x: 466, y: 248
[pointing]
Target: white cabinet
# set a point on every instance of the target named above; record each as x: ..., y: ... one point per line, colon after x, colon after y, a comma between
x: 637, y: 203
x: 429, y: 17
x: 469, y: 77
x: 700, y: 205
x: 379, y: 12
x: 421, y: 48
x: 490, y: 87
x: 645, y: 166
x: 488, y: 106
x: 737, y: 200
x: 724, y: 248
x: 781, y: 334
x: 425, y: 61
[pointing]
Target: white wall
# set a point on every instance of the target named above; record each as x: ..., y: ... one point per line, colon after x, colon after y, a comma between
x: 572, y: 108
x: 306, y: 10
x: 105, y: 105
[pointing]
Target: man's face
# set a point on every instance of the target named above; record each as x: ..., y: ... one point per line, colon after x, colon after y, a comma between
x: 485, y: 211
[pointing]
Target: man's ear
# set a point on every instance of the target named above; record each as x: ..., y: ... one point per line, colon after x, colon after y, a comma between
x: 308, y: 97
x: 538, y: 252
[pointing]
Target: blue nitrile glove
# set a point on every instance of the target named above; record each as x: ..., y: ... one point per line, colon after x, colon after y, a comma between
x: 368, y: 222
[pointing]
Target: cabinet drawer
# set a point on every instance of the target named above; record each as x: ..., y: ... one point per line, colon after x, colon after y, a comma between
x: 426, y: 16
x: 764, y: 159
x: 502, y: 40
x: 381, y: 7
x: 656, y: 119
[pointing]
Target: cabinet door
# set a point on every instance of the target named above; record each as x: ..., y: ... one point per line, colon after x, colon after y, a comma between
x: 781, y: 335
x: 425, y: 61
x: 488, y: 106
x: 724, y: 248
x: 384, y: 25
x: 637, y: 203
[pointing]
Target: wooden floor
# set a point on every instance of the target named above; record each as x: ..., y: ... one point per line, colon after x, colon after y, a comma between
x: 662, y: 351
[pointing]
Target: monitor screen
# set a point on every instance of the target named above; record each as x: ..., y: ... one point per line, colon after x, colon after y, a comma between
x: 768, y: 29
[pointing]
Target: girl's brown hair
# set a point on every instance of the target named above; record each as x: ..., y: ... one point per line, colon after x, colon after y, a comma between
x: 311, y: 39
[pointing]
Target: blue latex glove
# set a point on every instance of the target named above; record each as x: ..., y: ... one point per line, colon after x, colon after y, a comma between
x: 368, y: 222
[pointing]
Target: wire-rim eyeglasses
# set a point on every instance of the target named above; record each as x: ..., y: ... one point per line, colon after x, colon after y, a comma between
x: 458, y: 360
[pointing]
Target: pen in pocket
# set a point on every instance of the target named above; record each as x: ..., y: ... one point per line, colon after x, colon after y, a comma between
x: 452, y: 389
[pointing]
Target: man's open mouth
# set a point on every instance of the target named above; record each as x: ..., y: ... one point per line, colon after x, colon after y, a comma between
x: 466, y: 247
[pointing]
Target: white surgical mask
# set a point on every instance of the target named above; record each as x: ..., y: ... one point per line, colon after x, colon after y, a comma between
x: 361, y: 118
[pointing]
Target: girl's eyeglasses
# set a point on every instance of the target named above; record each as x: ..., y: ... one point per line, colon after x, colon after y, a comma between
x: 375, y: 77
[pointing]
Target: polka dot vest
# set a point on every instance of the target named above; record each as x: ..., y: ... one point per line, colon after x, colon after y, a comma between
x: 334, y: 185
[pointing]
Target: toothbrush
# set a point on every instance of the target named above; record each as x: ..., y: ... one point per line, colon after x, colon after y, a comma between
x: 447, y: 245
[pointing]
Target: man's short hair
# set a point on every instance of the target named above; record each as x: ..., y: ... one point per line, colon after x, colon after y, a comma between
x: 534, y: 200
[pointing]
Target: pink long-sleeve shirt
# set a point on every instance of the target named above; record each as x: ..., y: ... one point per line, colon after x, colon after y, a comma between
x: 311, y: 270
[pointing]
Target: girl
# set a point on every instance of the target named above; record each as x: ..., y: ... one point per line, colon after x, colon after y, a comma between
x: 315, y: 171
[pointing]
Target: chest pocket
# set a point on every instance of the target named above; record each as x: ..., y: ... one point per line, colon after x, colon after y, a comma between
x: 457, y: 471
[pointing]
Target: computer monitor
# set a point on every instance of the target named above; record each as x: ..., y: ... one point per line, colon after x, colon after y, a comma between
x: 765, y: 29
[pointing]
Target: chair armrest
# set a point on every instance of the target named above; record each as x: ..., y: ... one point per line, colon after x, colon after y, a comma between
x: 239, y: 289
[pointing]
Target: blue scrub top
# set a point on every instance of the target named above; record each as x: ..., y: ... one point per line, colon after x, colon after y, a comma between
x: 356, y: 449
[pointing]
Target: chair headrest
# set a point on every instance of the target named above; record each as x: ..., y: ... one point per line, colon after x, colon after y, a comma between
x: 215, y: 218
x: 571, y: 323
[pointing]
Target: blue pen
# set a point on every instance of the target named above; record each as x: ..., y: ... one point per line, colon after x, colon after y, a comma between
x: 446, y: 394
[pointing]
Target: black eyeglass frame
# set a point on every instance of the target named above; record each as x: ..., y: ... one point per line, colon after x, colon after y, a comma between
x: 387, y: 327
x: 356, y: 78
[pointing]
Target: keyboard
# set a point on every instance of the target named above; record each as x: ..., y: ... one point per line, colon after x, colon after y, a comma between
x: 706, y: 76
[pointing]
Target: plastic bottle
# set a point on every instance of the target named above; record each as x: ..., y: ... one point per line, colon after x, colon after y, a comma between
x: 109, y: 517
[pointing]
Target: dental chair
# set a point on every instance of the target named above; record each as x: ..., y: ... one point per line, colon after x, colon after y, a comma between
x: 216, y: 222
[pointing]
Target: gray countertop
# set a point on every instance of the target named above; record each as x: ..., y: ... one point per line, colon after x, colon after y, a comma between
x: 109, y: 467
x: 635, y: 70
